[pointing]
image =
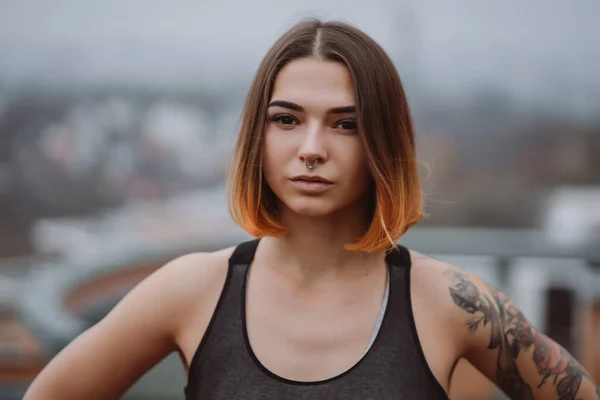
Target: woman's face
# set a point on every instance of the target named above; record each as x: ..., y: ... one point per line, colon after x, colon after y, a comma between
x: 312, y: 119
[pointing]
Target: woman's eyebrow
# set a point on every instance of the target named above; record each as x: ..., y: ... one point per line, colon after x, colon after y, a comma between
x: 299, y: 108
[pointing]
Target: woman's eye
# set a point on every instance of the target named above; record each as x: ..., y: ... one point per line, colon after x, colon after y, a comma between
x: 284, y: 119
x: 347, y: 125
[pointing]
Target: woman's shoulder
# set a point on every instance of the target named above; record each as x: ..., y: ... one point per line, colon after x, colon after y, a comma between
x: 201, y: 263
x: 428, y: 272
x: 177, y: 288
x: 430, y: 283
x: 446, y: 293
x: 439, y: 280
x: 192, y: 275
x: 434, y: 276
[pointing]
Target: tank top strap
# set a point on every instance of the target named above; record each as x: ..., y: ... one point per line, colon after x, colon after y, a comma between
x: 399, y: 256
x: 244, y: 253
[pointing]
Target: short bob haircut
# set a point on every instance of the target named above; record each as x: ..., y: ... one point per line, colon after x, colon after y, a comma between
x: 384, y: 123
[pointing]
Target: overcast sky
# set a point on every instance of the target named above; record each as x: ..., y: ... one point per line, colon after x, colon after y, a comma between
x: 536, y: 50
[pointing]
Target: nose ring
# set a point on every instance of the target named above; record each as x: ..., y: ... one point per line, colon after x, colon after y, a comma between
x: 311, y: 165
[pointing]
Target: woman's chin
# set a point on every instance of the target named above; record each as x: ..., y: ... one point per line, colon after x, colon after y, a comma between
x: 312, y: 212
x: 313, y: 208
x: 322, y: 206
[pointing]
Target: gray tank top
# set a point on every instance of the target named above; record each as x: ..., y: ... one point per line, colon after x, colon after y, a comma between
x: 224, y: 366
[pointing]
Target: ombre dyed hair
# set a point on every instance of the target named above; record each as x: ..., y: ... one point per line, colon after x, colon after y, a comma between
x: 384, y: 123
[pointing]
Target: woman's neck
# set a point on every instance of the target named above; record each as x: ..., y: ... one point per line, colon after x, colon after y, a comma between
x: 314, y: 247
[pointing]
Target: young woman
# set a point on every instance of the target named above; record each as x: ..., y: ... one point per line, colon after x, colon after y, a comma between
x: 323, y: 304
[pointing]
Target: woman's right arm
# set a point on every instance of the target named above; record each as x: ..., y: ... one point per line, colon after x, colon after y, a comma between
x: 104, y: 361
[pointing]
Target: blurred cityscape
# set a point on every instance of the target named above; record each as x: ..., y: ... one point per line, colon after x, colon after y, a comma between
x: 117, y: 120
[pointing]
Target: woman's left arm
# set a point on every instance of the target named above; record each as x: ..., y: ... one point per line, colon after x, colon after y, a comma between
x: 503, y: 344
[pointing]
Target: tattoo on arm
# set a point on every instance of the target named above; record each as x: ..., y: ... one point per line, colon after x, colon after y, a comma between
x: 511, y: 334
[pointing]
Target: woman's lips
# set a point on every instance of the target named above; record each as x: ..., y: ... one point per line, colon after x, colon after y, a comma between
x: 311, y: 186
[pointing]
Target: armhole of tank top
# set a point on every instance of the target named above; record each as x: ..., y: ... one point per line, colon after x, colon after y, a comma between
x: 415, y: 334
x: 211, y: 323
